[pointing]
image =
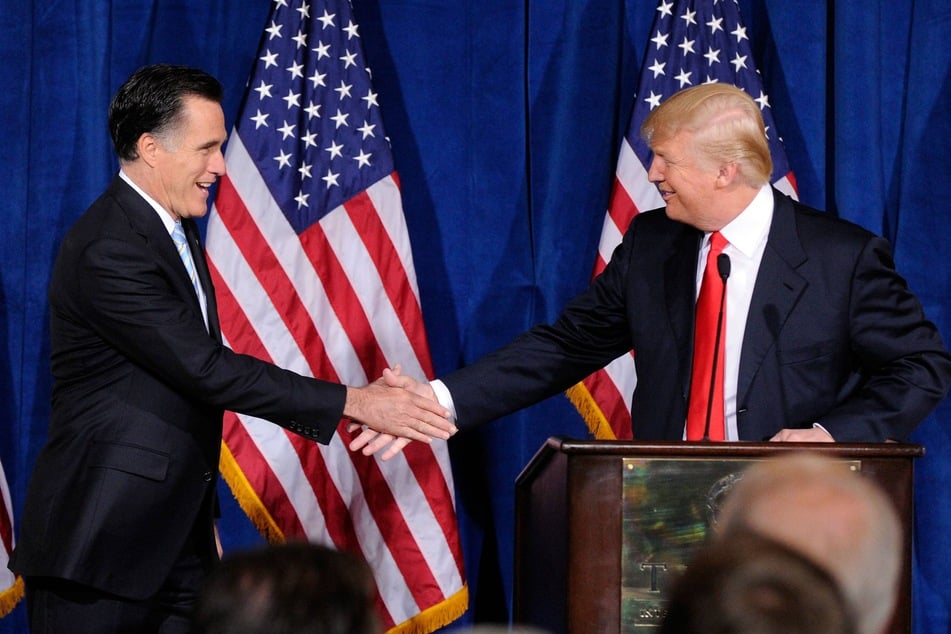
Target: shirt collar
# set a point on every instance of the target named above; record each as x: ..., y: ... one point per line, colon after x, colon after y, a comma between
x: 164, y: 215
x: 750, y: 229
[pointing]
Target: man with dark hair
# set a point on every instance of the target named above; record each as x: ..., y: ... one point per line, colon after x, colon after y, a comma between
x: 293, y: 588
x: 118, y: 525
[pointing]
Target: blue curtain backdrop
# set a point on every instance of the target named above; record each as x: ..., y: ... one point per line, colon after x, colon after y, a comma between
x: 505, y: 119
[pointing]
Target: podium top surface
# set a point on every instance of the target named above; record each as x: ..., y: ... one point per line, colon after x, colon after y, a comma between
x: 692, y: 449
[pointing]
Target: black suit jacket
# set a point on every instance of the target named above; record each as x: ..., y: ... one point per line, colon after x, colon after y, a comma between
x: 833, y: 336
x: 130, y: 466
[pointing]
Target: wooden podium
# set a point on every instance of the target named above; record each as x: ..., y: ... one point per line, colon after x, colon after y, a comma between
x: 589, y: 559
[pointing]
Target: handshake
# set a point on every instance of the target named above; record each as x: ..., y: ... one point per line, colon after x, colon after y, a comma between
x: 392, y: 411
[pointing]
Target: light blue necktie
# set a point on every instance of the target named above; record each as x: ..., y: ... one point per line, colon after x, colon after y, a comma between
x: 178, y: 236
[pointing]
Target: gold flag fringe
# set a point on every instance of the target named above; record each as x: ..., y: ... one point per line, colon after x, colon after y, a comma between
x: 10, y: 597
x: 429, y: 620
x: 592, y: 414
x: 434, y: 617
x: 247, y: 498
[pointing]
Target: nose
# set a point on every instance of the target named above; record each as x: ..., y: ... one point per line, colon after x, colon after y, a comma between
x: 655, y: 171
x: 217, y: 164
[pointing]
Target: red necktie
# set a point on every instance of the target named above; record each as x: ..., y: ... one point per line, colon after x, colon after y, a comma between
x: 705, y: 328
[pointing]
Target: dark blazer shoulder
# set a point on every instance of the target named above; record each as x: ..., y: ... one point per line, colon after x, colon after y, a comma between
x: 653, y: 234
x: 818, y: 226
x: 121, y: 200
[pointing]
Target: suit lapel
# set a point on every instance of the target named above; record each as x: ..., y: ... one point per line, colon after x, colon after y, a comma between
x: 680, y: 284
x: 145, y: 222
x: 778, y: 287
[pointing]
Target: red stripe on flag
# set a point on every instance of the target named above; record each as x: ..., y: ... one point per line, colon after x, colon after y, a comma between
x: 622, y: 208
x: 261, y: 478
x: 367, y: 221
x: 272, y: 277
x: 343, y: 299
x: 432, y: 481
x: 254, y: 465
x: 425, y: 469
x: 243, y: 337
x: 335, y: 511
x: 336, y: 514
x: 605, y: 393
x: 6, y: 528
x: 381, y: 503
x: 406, y: 552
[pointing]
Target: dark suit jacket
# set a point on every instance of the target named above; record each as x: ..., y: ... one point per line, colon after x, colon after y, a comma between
x: 833, y: 336
x: 131, y: 461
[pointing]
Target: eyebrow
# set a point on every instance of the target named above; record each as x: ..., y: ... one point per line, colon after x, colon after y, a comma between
x: 210, y: 144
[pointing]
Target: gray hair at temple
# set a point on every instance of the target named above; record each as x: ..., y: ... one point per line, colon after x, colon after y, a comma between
x: 841, y: 520
x: 725, y: 124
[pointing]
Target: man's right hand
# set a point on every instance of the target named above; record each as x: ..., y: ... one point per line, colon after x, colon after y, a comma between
x: 398, y: 412
x: 372, y: 440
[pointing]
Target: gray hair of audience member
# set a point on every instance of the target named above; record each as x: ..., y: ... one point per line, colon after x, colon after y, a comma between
x: 841, y: 520
x: 291, y: 588
x: 749, y: 584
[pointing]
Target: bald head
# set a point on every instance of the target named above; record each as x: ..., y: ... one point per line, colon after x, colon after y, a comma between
x: 834, y: 516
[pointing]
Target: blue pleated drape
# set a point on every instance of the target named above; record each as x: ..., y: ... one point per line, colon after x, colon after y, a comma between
x: 505, y: 119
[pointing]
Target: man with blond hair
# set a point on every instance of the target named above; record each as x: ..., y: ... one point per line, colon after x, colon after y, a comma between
x: 821, y: 338
x: 835, y: 517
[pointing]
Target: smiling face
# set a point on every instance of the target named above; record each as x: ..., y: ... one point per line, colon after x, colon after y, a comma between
x: 188, y: 159
x: 687, y: 185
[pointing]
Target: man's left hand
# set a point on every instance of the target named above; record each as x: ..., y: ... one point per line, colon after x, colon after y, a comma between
x: 813, y: 434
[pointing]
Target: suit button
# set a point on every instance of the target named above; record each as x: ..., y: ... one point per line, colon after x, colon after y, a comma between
x: 207, y: 476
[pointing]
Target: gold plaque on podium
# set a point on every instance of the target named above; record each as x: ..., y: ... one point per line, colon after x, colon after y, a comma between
x: 669, y: 508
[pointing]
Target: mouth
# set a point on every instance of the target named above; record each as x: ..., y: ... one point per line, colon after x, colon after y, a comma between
x: 666, y: 194
x: 205, y: 186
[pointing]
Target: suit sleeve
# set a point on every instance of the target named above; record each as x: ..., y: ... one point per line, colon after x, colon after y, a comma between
x: 903, y: 368
x: 129, y: 299
x: 548, y: 359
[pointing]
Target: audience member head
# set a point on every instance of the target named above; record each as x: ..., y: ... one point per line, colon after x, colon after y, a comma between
x: 293, y: 588
x: 748, y: 584
x: 834, y: 516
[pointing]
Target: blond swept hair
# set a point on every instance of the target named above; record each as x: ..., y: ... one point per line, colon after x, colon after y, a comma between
x: 725, y: 124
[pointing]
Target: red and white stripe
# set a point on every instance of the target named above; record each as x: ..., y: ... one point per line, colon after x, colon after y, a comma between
x: 11, y: 588
x: 338, y: 302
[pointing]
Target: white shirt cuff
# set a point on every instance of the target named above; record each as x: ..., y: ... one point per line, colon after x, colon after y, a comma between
x: 444, y: 398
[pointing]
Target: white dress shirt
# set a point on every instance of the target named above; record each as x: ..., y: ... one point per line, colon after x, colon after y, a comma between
x: 746, y: 234
x: 169, y: 221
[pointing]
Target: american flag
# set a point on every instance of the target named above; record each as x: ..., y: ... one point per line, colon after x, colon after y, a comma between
x: 312, y: 266
x: 11, y: 586
x: 692, y: 42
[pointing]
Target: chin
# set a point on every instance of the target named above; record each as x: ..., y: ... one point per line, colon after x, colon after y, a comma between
x: 674, y: 213
x: 197, y: 212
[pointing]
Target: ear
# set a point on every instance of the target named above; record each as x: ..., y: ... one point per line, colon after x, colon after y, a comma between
x: 727, y: 174
x: 147, y: 148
